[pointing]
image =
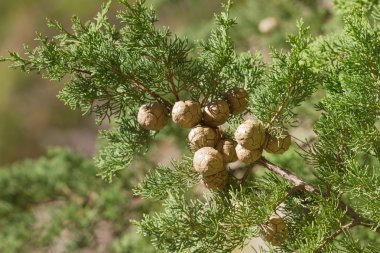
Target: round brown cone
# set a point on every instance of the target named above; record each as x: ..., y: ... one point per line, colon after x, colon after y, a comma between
x: 208, y: 161
x: 203, y: 136
x: 251, y: 134
x: 278, y: 145
x: 227, y: 148
x: 237, y: 99
x: 187, y: 113
x: 216, y: 113
x: 152, y: 116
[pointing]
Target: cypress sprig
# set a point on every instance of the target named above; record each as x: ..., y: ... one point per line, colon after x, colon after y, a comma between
x: 112, y: 72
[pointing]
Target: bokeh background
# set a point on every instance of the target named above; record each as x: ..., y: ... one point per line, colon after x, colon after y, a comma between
x: 56, y: 203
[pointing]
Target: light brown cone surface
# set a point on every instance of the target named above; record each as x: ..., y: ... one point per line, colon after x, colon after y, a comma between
x: 208, y: 161
x: 251, y: 134
x: 227, y: 148
x: 278, y: 145
x: 275, y: 230
x: 203, y: 136
x: 217, y: 181
x: 246, y: 155
x: 187, y: 113
x: 237, y: 99
x: 152, y: 116
x: 216, y: 113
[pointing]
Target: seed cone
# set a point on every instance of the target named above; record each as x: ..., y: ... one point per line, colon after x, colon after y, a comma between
x: 152, y: 116
x: 187, y: 113
x: 217, y: 181
x: 227, y: 148
x: 237, y: 99
x: 216, y: 113
x: 250, y: 134
x: 246, y: 155
x: 275, y: 230
x: 203, y: 136
x: 208, y: 161
x: 278, y: 145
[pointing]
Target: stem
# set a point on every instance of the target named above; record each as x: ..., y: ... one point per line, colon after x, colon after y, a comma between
x: 172, y: 85
x: 288, y: 176
x: 300, y: 184
x: 282, y: 105
x: 205, y: 99
x: 244, y: 178
x: 152, y: 94
x: 330, y: 238
x: 138, y: 85
x: 83, y: 71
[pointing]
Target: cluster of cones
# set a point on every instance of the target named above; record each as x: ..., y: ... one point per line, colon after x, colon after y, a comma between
x: 213, y: 149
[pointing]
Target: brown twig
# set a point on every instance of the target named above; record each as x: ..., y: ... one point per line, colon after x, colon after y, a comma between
x: 282, y: 105
x: 138, y: 85
x: 331, y: 237
x: 172, y: 84
x: 152, y: 94
x: 294, y: 180
x: 204, y: 100
x: 244, y: 178
x: 305, y: 143
x: 287, y: 175
x: 83, y: 71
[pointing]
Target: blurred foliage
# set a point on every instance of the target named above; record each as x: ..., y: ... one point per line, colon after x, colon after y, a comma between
x: 57, y: 203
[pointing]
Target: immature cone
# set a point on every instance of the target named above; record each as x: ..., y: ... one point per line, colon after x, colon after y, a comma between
x: 187, y: 113
x: 227, y: 148
x: 275, y: 230
x: 217, y: 181
x: 216, y: 113
x: 208, y: 161
x: 153, y: 116
x: 278, y: 145
x: 250, y: 134
x: 203, y: 136
x: 246, y: 155
x: 237, y: 99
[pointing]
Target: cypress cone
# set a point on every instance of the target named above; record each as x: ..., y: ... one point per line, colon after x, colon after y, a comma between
x: 216, y: 113
x: 237, y: 99
x: 152, y: 116
x: 208, y: 161
x: 217, y: 181
x: 278, y: 145
x: 227, y: 148
x: 251, y: 134
x: 187, y: 113
x: 203, y: 136
x: 246, y: 155
x: 275, y: 230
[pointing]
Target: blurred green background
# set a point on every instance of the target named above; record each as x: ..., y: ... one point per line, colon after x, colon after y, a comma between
x: 56, y: 203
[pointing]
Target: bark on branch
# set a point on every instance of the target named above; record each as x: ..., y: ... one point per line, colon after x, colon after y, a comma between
x: 335, y: 234
x: 302, y: 185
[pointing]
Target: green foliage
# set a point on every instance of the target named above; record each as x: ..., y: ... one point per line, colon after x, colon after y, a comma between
x: 289, y: 81
x: 349, y: 164
x: 122, y: 145
x: 214, y: 223
x: 164, y: 180
x: 348, y: 5
x: 60, y: 192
